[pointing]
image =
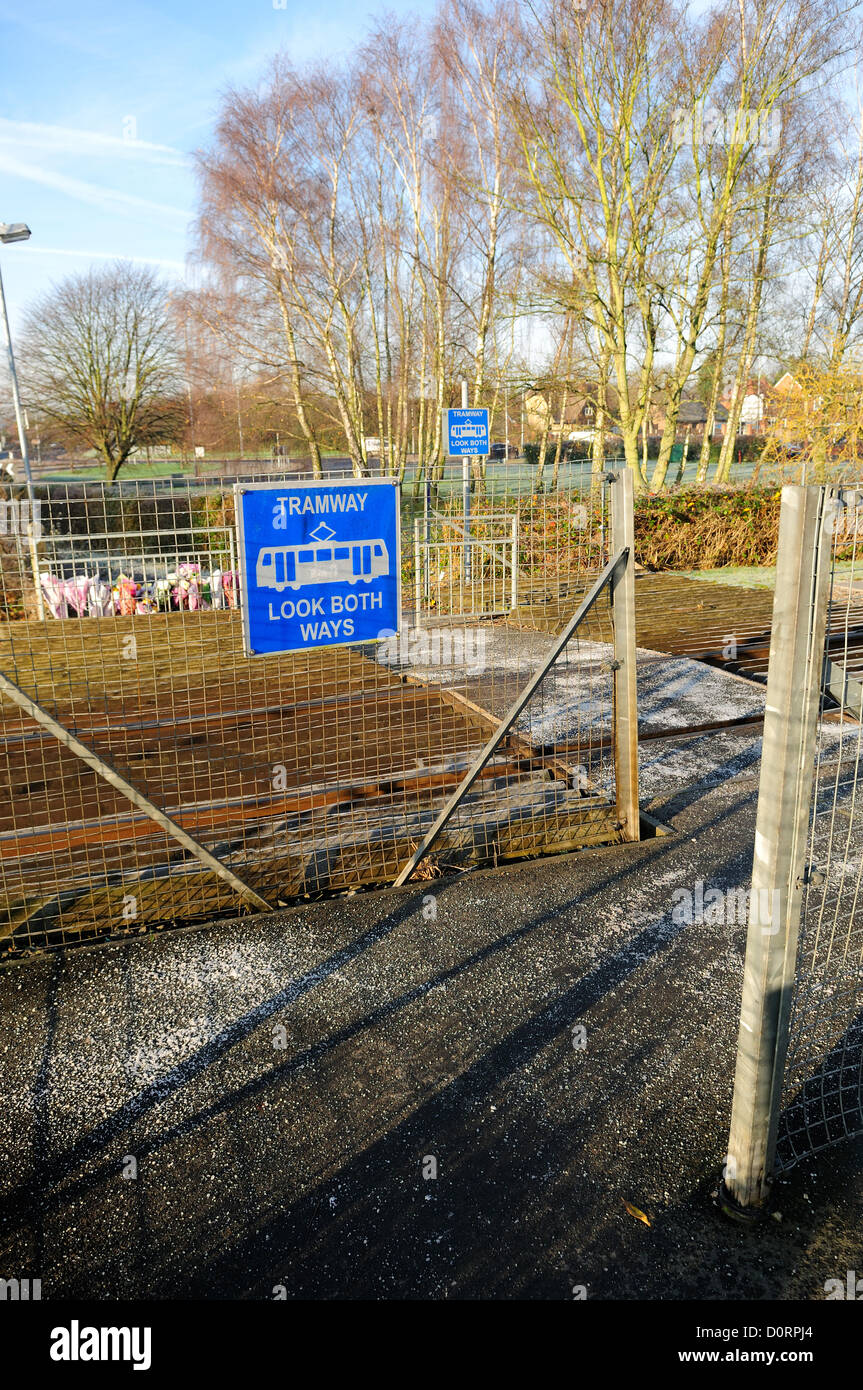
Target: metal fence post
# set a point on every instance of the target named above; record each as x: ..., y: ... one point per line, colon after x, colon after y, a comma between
x: 625, y: 688
x: 465, y: 490
x: 418, y: 572
x: 427, y: 539
x: 784, y: 794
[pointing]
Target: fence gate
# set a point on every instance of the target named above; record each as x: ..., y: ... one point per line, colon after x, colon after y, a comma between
x: 466, y: 564
x: 153, y: 775
x: 799, y: 1076
x: 524, y: 614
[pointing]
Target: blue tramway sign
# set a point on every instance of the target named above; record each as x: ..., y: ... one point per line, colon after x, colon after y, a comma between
x: 320, y: 563
x: 466, y: 430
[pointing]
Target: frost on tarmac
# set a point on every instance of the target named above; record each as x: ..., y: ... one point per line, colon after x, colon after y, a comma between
x: 280, y: 1080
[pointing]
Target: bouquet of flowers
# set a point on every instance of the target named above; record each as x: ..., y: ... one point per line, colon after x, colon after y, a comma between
x: 187, y: 592
x: 126, y: 596
x: 163, y: 594
x: 55, y: 597
x: 76, y: 592
x: 147, y: 601
x: 229, y: 584
x: 99, y: 599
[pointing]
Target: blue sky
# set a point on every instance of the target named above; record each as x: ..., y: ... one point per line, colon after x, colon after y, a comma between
x: 103, y: 103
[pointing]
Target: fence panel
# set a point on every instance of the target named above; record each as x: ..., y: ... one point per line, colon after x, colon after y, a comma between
x: 299, y: 774
x: 799, y: 1077
x: 822, y: 1092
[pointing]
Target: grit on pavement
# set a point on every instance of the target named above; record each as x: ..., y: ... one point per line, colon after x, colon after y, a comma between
x: 545, y: 1037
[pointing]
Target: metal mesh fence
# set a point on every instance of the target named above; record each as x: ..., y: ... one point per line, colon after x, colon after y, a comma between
x: 822, y: 1099
x: 305, y: 773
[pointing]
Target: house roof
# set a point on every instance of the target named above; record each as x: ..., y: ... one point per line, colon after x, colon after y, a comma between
x: 786, y: 384
x: 695, y: 413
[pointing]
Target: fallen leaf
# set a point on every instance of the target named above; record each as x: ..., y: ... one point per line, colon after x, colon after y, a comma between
x: 639, y: 1215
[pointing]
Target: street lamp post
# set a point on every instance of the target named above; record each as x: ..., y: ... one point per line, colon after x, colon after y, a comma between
x: 11, y: 232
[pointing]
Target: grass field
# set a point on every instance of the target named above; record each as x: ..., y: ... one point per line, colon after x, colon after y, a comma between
x: 514, y: 476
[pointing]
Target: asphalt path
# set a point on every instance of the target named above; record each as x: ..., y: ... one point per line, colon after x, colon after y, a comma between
x: 451, y: 1090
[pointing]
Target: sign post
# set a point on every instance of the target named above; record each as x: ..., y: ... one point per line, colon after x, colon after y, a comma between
x: 320, y: 563
x: 466, y: 436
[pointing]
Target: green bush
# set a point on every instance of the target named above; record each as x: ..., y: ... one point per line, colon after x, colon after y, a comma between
x: 574, y: 450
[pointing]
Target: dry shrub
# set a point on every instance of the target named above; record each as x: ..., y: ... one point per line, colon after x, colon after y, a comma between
x: 707, y: 528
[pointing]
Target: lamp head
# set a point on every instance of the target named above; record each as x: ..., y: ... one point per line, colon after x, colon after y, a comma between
x: 14, y: 231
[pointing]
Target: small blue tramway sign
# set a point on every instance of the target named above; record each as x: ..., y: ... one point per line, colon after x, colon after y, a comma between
x: 466, y: 430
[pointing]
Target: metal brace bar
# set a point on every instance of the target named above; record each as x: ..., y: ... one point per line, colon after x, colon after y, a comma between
x: 103, y: 769
x: 608, y: 576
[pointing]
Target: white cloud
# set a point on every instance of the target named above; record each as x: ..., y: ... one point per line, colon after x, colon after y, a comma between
x: 178, y: 266
x: 108, y: 199
x: 67, y: 140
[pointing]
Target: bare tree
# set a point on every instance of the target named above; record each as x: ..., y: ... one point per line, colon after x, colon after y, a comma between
x: 591, y: 169
x: 100, y: 362
x: 595, y: 123
x: 482, y: 54
x: 834, y: 322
